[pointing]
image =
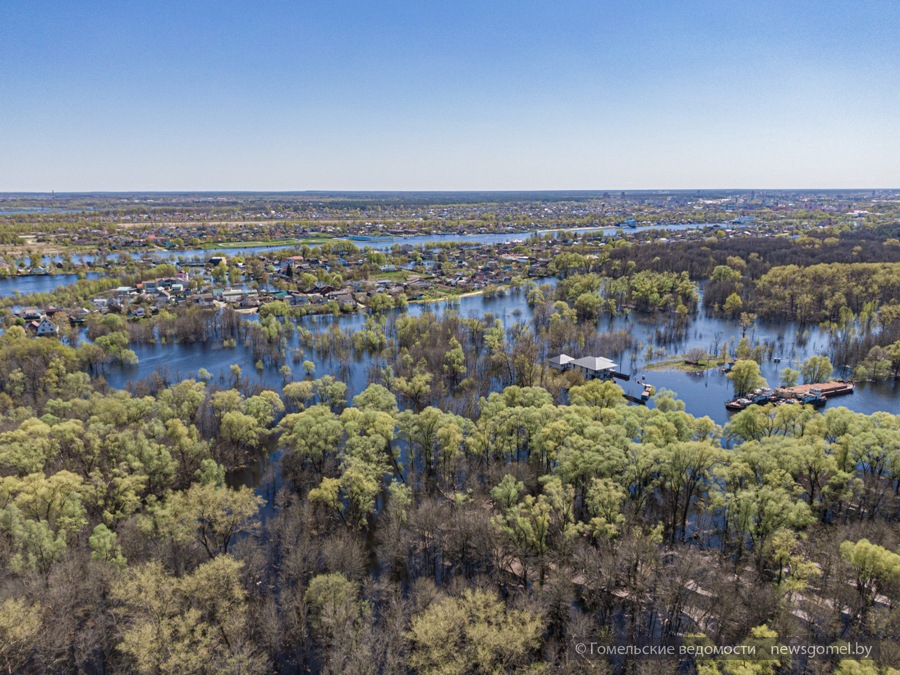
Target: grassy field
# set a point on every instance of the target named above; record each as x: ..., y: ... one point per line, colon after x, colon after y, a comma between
x: 678, y: 363
x: 447, y: 296
x: 399, y: 275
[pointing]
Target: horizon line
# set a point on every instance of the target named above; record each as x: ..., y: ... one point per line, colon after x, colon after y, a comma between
x: 51, y: 193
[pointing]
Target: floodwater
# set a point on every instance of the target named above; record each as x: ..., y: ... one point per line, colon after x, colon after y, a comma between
x: 387, y: 243
x: 704, y: 394
x: 43, y: 283
x: 502, y: 238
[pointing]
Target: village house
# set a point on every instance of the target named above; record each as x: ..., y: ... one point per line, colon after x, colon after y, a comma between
x: 342, y: 297
x: 203, y: 299
x: 232, y: 296
x: 323, y: 289
x: 78, y: 315
x: 30, y: 313
x: 43, y: 328
x: 561, y: 362
x: 595, y: 367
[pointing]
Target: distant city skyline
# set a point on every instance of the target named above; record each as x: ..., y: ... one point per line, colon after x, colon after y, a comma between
x: 463, y: 96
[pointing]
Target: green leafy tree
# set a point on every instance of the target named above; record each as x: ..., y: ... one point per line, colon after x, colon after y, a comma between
x: 472, y: 633
x: 331, y: 392
x: 816, y: 369
x: 685, y: 471
x: 312, y: 435
x: 789, y: 377
x: 604, y: 501
x: 240, y: 430
x: 20, y: 627
x: 416, y: 388
x: 105, y: 546
x: 733, y: 305
x: 211, y: 515
x: 597, y: 393
x: 877, y: 570
x: 588, y: 306
x: 198, y: 623
x: 746, y: 376
x: 264, y: 407
x: 28, y: 448
x: 376, y: 397
x: 338, y: 617
x: 299, y: 393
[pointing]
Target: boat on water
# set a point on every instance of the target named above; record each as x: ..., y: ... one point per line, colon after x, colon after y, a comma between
x: 837, y: 388
x: 738, y: 403
x: 815, y: 395
x: 825, y: 389
x: 816, y: 400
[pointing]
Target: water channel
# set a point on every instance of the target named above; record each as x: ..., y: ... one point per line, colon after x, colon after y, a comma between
x: 388, y: 242
x: 38, y: 283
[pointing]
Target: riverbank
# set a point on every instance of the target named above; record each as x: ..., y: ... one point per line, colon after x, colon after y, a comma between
x: 266, y: 243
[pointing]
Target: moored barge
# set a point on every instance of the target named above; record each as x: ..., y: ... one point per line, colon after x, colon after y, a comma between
x: 807, y: 394
x: 824, y: 389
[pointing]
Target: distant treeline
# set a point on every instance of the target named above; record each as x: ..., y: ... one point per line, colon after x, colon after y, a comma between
x: 700, y: 257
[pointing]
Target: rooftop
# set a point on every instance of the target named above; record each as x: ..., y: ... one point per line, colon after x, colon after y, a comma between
x: 595, y: 363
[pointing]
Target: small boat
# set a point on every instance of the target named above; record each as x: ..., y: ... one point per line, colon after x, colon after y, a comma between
x: 738, y: 404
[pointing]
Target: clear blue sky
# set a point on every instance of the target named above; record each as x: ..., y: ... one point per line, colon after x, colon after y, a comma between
x: 454, y: 95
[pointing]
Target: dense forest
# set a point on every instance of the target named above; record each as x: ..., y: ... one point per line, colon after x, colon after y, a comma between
x: 469, y: 511
x: 700, y: 257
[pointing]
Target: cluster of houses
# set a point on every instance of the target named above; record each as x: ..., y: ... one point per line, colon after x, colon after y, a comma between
x: 414, y: 273
x: 37, y: 322
x: 8, y: 270
x: 448, y: 269
x: 460, y: 268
